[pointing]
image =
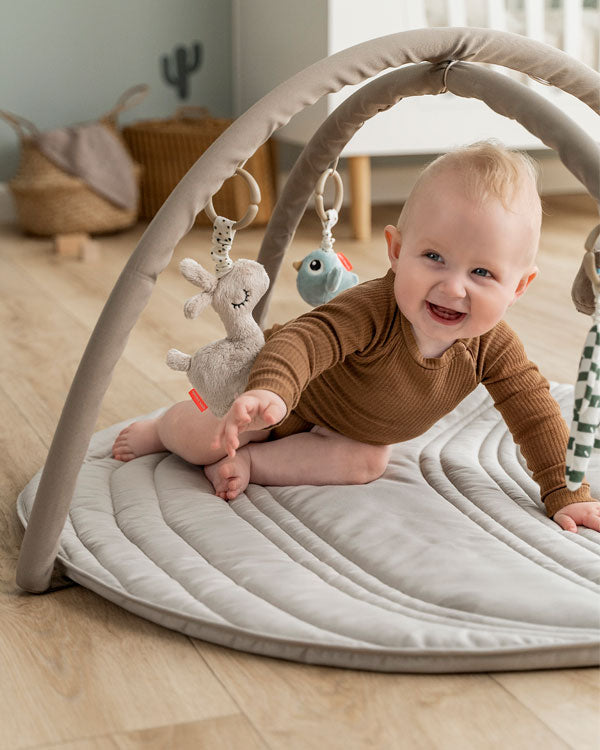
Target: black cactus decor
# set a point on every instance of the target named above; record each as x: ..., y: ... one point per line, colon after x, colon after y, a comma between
x: 177, y: 69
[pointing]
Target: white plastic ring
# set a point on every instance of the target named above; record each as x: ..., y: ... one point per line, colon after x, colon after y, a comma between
x: 252, y: 209
x: 319, y: 189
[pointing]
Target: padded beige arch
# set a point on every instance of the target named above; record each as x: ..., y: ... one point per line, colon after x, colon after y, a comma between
x: 176, y: 217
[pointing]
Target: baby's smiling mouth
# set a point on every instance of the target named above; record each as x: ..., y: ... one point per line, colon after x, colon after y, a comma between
x: 444, y: 313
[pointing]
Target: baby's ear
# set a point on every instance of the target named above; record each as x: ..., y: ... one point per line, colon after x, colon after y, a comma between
x: 525, y: 281
x: 394, y: 243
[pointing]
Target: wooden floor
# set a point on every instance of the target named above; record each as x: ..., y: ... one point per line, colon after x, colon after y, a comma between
x: 77, y: 672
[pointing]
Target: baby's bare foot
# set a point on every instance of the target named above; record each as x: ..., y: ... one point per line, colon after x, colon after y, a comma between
x: 138, y: 439
x: 230, y: 476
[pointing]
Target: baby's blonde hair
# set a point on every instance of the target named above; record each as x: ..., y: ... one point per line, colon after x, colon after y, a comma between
x: 488, y: 170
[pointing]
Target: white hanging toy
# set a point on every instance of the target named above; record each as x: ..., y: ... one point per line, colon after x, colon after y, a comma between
x: 583, y: 438
x: 324, y: 273
x: 219, y: 371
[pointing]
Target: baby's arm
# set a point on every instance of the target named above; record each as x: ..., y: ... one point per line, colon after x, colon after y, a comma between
x: 252, y: 410
x: 522, y: 395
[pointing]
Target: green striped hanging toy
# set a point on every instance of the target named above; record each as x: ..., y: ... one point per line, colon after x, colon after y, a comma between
x: 585, y: 427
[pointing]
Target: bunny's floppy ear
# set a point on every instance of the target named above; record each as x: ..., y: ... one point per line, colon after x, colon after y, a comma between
x: 199, y: 276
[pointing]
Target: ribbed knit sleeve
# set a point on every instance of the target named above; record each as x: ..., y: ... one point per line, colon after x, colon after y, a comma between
x: 522, y: 395
x: 300, y: 350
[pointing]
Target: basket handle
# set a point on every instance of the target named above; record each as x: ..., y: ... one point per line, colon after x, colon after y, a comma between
x: 128, y: 99
x: 24, y: 128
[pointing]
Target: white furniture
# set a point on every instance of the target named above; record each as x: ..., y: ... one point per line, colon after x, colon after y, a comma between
x: 274, y: 39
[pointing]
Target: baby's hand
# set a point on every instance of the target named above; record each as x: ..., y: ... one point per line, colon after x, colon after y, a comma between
x: 253, y: 410
x: 579, y: 514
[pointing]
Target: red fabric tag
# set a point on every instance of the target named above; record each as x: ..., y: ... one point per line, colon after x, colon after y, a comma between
x: 344, y: 261
x: 195, y: 396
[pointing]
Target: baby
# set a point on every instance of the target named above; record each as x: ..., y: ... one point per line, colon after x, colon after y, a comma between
x: 334, y: 389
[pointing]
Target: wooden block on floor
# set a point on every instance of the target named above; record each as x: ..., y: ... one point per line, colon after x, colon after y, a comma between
x: 76, y: 245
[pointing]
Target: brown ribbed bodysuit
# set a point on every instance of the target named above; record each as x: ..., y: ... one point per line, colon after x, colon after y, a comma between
x: 353, y: 365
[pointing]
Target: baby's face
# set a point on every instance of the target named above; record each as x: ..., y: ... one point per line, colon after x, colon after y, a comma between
x: 459, y: 266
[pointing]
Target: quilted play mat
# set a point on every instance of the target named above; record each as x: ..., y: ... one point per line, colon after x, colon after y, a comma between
x: 447, y: 563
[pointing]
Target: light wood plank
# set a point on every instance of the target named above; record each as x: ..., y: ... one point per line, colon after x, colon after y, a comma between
x: 74, y: 664
x: 560, y: 699
x: 298, y: 706
x: 81, y: 290
x: 20, y: 460
x: 42, y: 345
x: 224, y: 733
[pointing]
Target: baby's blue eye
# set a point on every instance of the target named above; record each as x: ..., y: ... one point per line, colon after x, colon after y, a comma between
x: 485, y: 271
x: 430, y: 253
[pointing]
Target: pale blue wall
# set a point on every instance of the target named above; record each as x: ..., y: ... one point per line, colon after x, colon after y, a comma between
x: 67, y: 61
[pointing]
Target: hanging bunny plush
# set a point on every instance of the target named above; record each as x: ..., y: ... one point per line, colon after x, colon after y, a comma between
x: 219, y: 371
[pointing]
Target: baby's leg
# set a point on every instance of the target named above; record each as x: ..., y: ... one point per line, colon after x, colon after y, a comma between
x: 183, y: 429
x: 318, y: 457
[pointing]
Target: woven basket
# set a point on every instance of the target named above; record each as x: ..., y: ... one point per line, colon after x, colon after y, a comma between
x: 49, y: 201
x: 167, y: 149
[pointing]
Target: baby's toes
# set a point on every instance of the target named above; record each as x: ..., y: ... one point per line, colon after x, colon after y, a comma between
x: 121, y: 454
x: 221, y: 488
x: 121, y: 450
x: 121, y: 440
x: 236, y: 486
x: 233, y: 489
x: 120, y: 445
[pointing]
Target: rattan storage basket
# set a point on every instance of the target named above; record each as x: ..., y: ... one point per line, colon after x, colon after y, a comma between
x: 167, y: 148
x: 49, y: 201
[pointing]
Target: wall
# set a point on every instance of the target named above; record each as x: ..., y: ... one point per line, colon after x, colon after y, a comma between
x: 67, y: 61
